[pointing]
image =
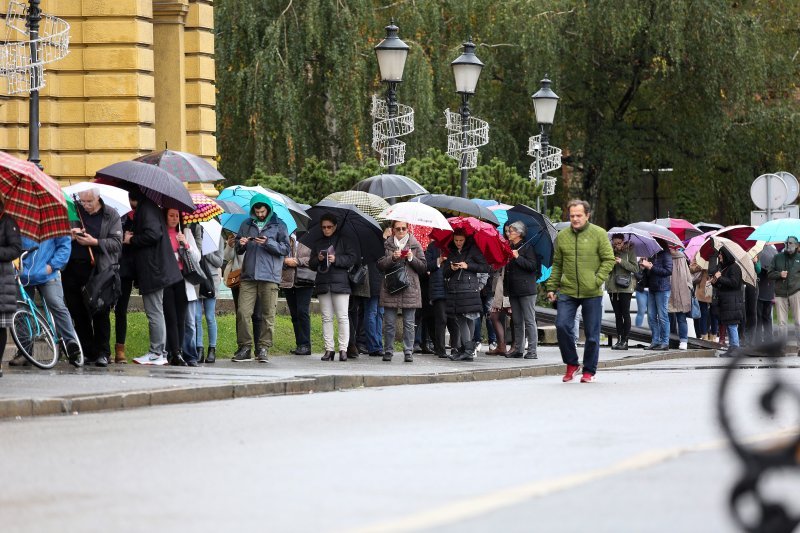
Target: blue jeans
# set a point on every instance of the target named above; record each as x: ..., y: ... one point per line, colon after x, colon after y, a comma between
x: 373, y: 324
x: 678, y: 322
x: 702, y: 324
x: 190, y: 332
x: 53, y: 294
x: 207, y: 307
x: 658, y: 316
x: 641, y: 307
x: 592, y: 313
x: 733, y: 335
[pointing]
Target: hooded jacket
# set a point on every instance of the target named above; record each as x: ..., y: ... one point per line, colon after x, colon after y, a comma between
x: 791, y: 264
x: 263, y: 262
x: 54, y: 252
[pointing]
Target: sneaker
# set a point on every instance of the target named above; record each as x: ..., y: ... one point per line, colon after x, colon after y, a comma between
x: 151, y: 358
x: 684, y: 345
x: 531, y: 356
x: 572, y: 370
x: 492, y: 346
x: 478, y: 347
x: 263, y: 355
x: 587, y: 377
x: 19, y: 360
x: 242, y: 354
x: 408, y: 358
x: 387, y: 356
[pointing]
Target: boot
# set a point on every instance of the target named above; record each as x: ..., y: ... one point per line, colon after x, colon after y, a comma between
x: 328, y: 355
x: 177, y: 359
x: 343, y: 355
x: 352, y: 352
x: 201, y: 356
x: 212, y: 355
x: 622, y: 344
x: 500, y: 350
x: 119, y: 354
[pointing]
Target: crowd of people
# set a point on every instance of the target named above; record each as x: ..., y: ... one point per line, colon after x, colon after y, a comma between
x: 433, y: 289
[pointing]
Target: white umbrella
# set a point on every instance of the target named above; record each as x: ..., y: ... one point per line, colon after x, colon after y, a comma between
x: 743, y: 259
x: 113, y: 197
x: 211, y: 232
x: 416, y: 213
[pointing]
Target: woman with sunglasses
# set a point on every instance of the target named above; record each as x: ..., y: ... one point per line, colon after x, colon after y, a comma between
x: 331, y: 256
x: 401, y: 248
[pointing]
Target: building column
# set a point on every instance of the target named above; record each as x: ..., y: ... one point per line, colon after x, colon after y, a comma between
x: 169, y: 19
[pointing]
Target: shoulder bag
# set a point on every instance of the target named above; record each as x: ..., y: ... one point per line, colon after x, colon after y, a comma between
x: 305, y: 277
x: 192, y: 271
x: 396, y: 279
x: 357, y: 274
x: 102, y: 289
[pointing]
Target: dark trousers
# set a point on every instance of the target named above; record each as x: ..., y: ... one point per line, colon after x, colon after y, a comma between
x: 299, y: 301
x: 94, y: 331
x: 463, y: 341
x: 175, y: 304
x: 750, y: 314
x: 355, y: 313
x: 442, y: 324
x: 121, y: 311
x: 256, y: 317
x: 621, y: 304
x: 764, y: 327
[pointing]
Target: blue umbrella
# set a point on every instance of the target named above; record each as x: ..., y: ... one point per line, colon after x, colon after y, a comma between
x: 233, y: 222
x: 777, y: 230
x: 540, y: 233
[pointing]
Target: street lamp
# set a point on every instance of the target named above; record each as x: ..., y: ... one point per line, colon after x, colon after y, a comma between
x: 34, y: 16
x: 466, y: 71
x: 391, y: 53
x: 545, y: 102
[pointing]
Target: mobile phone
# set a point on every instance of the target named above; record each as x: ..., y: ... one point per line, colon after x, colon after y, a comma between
x: 81, y: 234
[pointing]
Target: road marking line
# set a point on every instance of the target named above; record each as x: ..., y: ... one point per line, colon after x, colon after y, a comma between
x: 483, y: 504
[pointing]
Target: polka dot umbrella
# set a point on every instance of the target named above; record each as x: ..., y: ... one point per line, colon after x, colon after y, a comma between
x: 206, y: 209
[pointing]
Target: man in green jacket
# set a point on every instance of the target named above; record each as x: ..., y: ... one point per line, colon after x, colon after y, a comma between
x: 582, y: 261
x: 785, y: 271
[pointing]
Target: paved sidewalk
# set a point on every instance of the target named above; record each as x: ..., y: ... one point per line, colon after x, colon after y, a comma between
x: 28, y: 391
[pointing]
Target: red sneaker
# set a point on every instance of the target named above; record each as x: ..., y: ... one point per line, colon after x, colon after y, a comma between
x: 572, y: 370
x: 587, y: 377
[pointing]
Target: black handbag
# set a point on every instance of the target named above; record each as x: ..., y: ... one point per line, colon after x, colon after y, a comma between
x: 357, y: 274
x: 305, y: 277
x: 102, y: 289
x: 623, y: 282
x: 396, y: 279
x: 207, y: 289
x: 192, y: 271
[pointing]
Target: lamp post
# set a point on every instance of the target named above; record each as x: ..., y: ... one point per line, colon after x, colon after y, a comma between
x: 545, y: 102
x: 391, y: 53
x: 466, y: 71
x: 34, y: 16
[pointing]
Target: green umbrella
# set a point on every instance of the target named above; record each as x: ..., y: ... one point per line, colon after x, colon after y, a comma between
x: 72, y: 214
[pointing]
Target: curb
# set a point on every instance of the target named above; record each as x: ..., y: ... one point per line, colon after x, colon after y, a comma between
x: 19, y: 408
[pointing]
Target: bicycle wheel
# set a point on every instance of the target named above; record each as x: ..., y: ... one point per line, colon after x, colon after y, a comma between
x: 34, y: 339
x: 62, y: 348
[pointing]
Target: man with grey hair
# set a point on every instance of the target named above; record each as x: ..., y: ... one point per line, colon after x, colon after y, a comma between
x: 582, y: 260
x: 519, y: 282
x: 96, y: 245
x: 785, y: 271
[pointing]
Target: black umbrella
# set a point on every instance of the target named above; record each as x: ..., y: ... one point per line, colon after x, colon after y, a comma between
x: 390, y: 186
x: 183, y: 165
x: 352, y: 224
x: 457, y: 206
x: 540, y: 231
x: 159, y: 185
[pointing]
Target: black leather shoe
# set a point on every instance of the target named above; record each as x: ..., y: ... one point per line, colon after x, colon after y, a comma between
x: 427, y: 348
x: 242, y: 355
x: 531, y: 356
x: 177, y: 359
x: 211, y: 358
x: 302, y: 350
x: 514, y: 355
x: 352, y: 352
x: 376, y: 353
x: 362, y: 349
x: 328, y: 355
x: 102, y: 361
x: 652, y: 346
x: 463, y: 356
x: 661, y: 348
x: 343, y: 355
x: 191, y: 362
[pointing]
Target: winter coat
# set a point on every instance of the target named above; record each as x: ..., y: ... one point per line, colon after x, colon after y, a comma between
x: 766, y: 286
x: 581, y: 262
x: 436, y: 289
x: 335, y: 280
x: 107, y: 252
x: 791, y: 264
x: 10, y: 249
x: 728, y: 291
x: 659, y: 276
x: 462, y: 286
x: 156, y: 267
x: 302, y: 253
x: 54, y: 252
x: 628, y: 267
x: 375, y: 279
x: 127, y: 268
x: 681, y: 283
x: 411, y: 297
x: 263, y: 262
x: 521, y: 273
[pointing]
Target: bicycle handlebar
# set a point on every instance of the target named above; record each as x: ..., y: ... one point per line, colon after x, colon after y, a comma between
x: 28, y: 251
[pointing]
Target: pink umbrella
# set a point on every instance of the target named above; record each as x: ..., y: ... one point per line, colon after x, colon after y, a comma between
x: 695, y: 243
x: 684, y: 229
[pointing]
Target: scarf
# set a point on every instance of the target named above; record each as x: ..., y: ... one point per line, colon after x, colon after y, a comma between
x: 401, y: 244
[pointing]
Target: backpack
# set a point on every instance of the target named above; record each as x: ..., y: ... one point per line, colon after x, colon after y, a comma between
x: 102, y: 290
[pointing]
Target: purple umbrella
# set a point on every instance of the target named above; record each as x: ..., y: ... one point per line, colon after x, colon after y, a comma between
x: 643, y: 244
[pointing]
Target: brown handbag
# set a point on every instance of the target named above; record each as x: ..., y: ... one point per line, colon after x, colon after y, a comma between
x: 234, y: 278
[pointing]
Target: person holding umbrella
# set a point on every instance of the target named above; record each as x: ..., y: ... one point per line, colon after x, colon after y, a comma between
x: 331, y: 256
x: 620, y: 286
x: 785, y: 271
x: 659, y: 285
x: 519, y: 279
x: 401, y: 249
x: 462, y: 263
x: 727, y: 282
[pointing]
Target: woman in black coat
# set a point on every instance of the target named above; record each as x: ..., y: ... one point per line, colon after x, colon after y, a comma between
x: 331, y: 257
x: 460, y: 269
x: 10, y: 249
x: 520, y: 287
x: 727, y: 281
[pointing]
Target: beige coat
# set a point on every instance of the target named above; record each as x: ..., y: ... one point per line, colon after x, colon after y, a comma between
x: 680, y: 296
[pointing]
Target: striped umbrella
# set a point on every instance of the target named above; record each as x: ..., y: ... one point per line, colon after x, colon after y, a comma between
x: 205, y: 209
x: 33, y: 199
x: 167, y: 191
x: 371, y: 204
x: 183, y: 165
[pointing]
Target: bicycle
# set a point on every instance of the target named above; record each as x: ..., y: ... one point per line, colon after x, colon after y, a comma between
x: 34, y: 331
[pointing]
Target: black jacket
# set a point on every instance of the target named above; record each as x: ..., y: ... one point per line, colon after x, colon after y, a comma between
x: 335, y: 280
x: 462, y: 286
x: 10, y: 249
x: 521, y: 273
x: 436, y: 280
x: 153, y: 257
x: 127, y: 266
x: 728, y: 289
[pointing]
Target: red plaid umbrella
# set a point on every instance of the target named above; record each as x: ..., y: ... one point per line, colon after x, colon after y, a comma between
x: 33, y: 199
x: 493, y: 246
x: 205, y: 209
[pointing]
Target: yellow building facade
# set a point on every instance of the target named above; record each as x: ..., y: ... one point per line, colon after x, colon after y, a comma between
x: 139, y: 76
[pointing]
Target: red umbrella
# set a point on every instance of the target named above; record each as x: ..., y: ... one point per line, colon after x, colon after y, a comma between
x: 684, y: 229
x: 421, y: 233
x: 493, y: 246
x: 33, y: 199
x: 737, y: 234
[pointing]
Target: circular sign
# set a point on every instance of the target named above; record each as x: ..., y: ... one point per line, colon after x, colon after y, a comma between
x: 778, y: 191
x: 792, y: 184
